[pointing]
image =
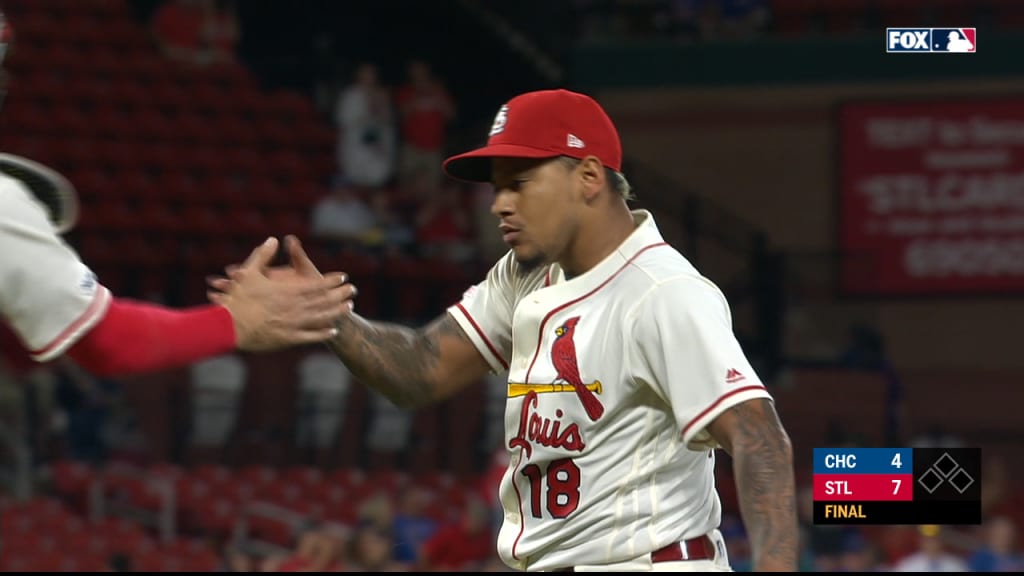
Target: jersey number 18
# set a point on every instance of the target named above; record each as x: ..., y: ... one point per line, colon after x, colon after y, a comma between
x: 563, y: 487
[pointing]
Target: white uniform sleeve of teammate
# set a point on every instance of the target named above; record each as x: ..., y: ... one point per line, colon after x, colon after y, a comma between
x: 686, y: 350
x: 48, y: 296
x: 485, y: 314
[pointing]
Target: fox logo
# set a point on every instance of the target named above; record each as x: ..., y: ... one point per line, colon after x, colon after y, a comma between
x: 563, y: 357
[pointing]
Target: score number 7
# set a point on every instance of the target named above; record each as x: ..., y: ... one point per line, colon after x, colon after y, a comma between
x: 896, y: 463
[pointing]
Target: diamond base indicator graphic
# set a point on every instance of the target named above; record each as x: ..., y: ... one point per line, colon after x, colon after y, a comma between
x: 897, y: 486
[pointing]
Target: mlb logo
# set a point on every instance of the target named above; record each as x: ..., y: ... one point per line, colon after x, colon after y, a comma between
x: 930, y: 40
x: 953, y: 40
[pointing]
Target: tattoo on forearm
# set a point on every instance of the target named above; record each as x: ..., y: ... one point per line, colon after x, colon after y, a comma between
x: 398, y: 361
x: 763, y: 460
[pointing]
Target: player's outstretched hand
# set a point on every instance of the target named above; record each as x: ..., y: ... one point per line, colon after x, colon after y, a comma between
x: 277, y: 307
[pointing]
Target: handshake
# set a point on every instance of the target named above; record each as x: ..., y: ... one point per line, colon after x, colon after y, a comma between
x: 275, y: 307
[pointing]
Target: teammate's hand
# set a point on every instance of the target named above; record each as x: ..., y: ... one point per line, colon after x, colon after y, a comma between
x: 285, y: 306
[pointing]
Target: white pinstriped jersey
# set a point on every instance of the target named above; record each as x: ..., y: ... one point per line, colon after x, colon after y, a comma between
x: 612, y: 378
x: 47, y: 295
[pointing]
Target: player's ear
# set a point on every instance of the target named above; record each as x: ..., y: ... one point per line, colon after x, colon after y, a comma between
x: 591, y: 173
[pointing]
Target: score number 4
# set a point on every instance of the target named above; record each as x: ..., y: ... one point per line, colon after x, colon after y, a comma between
x: 897, y: 463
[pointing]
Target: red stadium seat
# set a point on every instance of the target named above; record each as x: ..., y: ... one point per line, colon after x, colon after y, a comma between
x: 794, y: 17
x: 72, y: 479
x: 112, y: 123
x: 160, y: 218
x: 242, y: 162
x: 235, y: 131
x: 155, y: 126
x: 158, y: 157
x: 117, y: 154
x: 135, y: 183
x: 169, y: 97
x: 290, y: 221
x: 194, y: 130
x: 211, y: 99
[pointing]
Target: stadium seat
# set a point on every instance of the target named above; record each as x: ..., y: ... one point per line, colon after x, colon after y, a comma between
x: 155, y: 126
x: 794, y: 17
x: 217, y: 385
x: 260, y: 477
x: 844, y: 16
x: 232, y: 130
x: 72, y: 479
x: 211, y: 100
x: 157, y: 157
x: 134, y: 183
x: 111, y: 123
x: 169, y: 97
x: 324, y: 387
x: 903, y: 14
x: 194, y: 130
x: 242, y: 162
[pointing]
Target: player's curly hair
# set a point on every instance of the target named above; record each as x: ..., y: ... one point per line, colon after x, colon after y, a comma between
x: 616, y: 180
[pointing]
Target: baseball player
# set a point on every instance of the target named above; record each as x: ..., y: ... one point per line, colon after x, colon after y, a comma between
x: 624, y: 374
x: 54, y: 304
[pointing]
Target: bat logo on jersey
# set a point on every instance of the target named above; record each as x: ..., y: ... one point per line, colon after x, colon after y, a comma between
x: 563, y: 357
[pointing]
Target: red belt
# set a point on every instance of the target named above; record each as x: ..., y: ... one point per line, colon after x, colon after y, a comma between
x: 701, y: 548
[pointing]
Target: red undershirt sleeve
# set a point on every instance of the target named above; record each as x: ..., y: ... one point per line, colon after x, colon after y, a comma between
x: 137, y: 337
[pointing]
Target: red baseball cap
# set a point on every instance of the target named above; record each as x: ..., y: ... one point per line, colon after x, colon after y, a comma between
x: 542, y: 124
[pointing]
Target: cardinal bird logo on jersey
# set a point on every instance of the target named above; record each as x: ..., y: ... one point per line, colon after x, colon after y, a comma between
x: 563, y: 357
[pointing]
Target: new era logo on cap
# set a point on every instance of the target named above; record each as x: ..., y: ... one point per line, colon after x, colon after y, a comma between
x: 543, y: 124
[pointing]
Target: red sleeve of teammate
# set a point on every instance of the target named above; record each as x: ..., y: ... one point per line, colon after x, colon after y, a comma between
x: 136, y: 337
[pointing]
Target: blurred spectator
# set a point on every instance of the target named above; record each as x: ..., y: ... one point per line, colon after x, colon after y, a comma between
x: 120, y: 562
x: 738, y: 544
x: 741, y: 19
x: 364, y: 118
x: 390, y: 234
x: 197, y: 32
x: 896, y: 543
x: 931, y: 555
x: 999, y: 552
x: 425, y: 107
x: 465, y: 544
x: 936, y: 436
x: 317, y: 551
x: 412, y: 525
x: 371, y: 550
x: 342, y: 217
x: 85, y: 401
x: 221, y: 30
x: 177, y: 28
x: 443, y: 226
x: 236, y: 560
x: 691, y: 20
x: 490, y: 485
x: 865, y: 348
x: 860, y: 555
x: 489, y: 245
x: 996, y: 492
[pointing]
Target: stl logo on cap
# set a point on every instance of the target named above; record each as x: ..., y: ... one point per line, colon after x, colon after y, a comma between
x: 499, y: 121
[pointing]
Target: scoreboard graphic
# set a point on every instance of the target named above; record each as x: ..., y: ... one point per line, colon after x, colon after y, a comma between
x: 897, y: 486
